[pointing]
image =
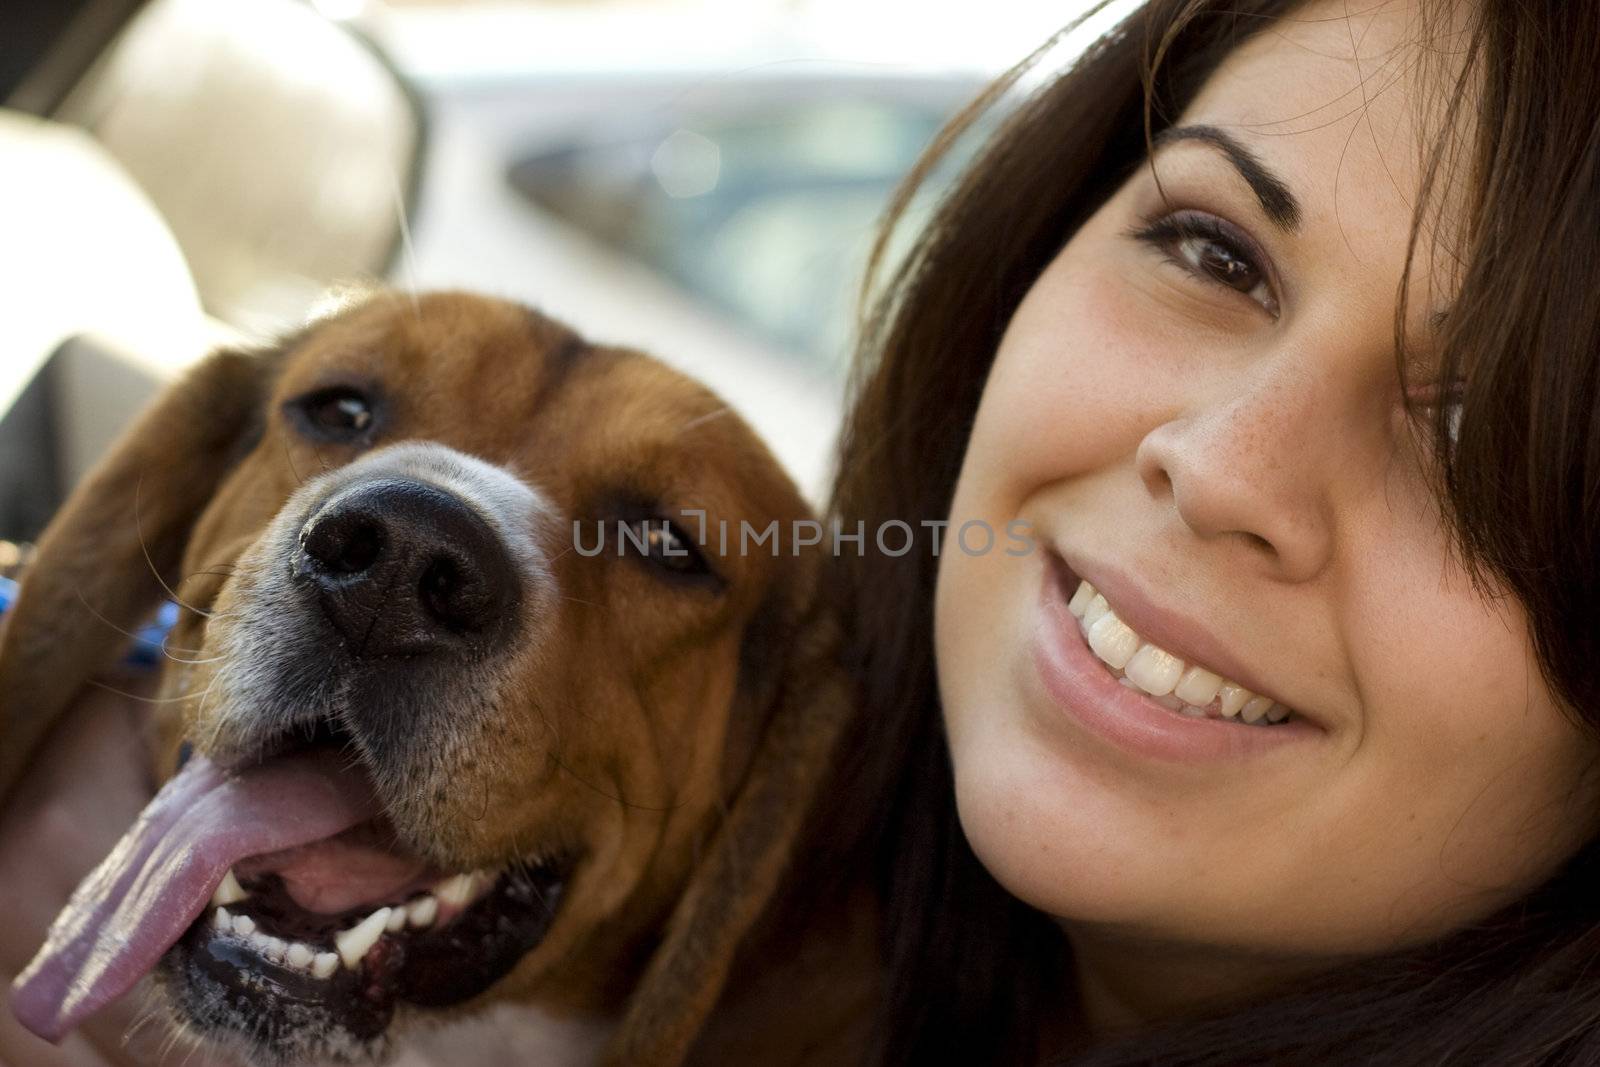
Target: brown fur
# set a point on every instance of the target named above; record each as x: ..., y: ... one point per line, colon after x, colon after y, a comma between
x: 670, y: 739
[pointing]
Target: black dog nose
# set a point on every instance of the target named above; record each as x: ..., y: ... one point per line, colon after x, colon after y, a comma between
x: 403, y: 568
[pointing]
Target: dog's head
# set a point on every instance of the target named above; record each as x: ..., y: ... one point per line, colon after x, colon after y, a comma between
x: 487, y: 644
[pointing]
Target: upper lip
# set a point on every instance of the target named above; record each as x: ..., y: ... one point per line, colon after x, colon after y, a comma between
x: 1166, y: 627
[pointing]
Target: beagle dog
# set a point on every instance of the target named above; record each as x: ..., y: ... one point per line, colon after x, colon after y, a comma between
x: 428, y: 747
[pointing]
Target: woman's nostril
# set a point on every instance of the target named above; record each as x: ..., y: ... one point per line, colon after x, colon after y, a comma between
x: 1257, y: 541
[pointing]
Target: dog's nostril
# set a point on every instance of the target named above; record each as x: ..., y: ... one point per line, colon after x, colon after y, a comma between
x: 345, y: 544
x: 447, y: 595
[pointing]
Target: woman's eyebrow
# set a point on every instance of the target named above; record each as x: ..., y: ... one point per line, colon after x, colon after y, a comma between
x: 1277, y: 201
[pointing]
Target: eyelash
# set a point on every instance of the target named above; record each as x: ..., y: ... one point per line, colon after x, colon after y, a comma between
x: 1164, y: 232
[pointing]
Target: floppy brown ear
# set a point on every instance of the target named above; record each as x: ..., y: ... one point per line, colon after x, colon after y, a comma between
x: 102, y: 561
x: 740, y: 872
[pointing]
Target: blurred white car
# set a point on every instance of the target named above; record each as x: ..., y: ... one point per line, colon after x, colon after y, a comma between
x: 699, y: 179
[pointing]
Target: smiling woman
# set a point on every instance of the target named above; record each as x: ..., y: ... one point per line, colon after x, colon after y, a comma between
x: 1276, y: 324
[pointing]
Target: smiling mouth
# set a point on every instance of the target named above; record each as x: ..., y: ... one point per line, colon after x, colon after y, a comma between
x: 1182, y: 687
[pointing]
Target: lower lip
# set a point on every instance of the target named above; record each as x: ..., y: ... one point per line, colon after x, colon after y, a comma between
x: 1084, y: 688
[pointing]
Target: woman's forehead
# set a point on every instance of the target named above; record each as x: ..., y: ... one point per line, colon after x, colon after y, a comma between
x: 1323, y: 86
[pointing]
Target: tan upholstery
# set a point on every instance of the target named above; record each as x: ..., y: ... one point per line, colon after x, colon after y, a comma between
x: 278, y: 147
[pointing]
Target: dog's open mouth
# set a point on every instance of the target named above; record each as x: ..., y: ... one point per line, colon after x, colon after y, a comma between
x: 278, y: 906
x: 421, y: 938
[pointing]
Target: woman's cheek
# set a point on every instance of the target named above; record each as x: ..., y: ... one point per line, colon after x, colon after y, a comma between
x: 1089, y: 364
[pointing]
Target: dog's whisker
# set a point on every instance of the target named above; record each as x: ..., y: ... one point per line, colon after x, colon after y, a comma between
x: 145, y: 548
x: 194, y: 1046
x: 167, y: 651
x: 126, y: 633
x: 98, y: 684
x: 175, y: 1034
x: 622, y: 800
x: 193, y: 662
x: 142, y: 1018
x: 200, y: 712
x: 483, y: 809
x: 209, y: 573
x: 288, y: 455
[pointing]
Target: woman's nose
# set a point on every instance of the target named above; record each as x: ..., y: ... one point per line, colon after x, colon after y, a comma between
x: 1255, y: 463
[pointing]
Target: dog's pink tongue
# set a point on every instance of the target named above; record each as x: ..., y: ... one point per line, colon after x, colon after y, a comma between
x: 161, y: 875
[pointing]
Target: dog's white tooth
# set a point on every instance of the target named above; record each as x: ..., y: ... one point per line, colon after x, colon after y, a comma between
x: 325, y: 964
x: 243, y: 925
x: 397, y: 920
x: 423, y: 910
x: 455, y: 890
x: 299, y: 955
x: 230, y: 891
x: 222, y: 920
x: 273, y: 948
x: 354, y: 942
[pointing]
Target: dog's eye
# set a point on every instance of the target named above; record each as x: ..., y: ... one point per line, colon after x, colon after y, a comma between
x: 666, y: 545
x: 340, y: 414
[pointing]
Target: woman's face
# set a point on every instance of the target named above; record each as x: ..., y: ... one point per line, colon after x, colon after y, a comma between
x: 1196, y: 410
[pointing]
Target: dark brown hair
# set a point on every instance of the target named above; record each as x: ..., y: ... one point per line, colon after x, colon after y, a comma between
x: 974, y: 976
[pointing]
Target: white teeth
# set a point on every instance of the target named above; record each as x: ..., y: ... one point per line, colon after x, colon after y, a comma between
x: 457, y: 890
x: 1198, y: 686
x: 352, y: 945
x: 421, y: 912
x: 1080, y: 600
x: 354, y: 942
x: 1112, y: 641
x: 230, y: 891
x: 288, y: 953
x: 1153, y: 670
x: 1096, y: 610
x: 1254, y: 708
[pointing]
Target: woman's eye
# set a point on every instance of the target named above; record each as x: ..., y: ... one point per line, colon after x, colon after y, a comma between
x: 664, y: 544
x: 1208, y: 248
x: 340, y: 415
